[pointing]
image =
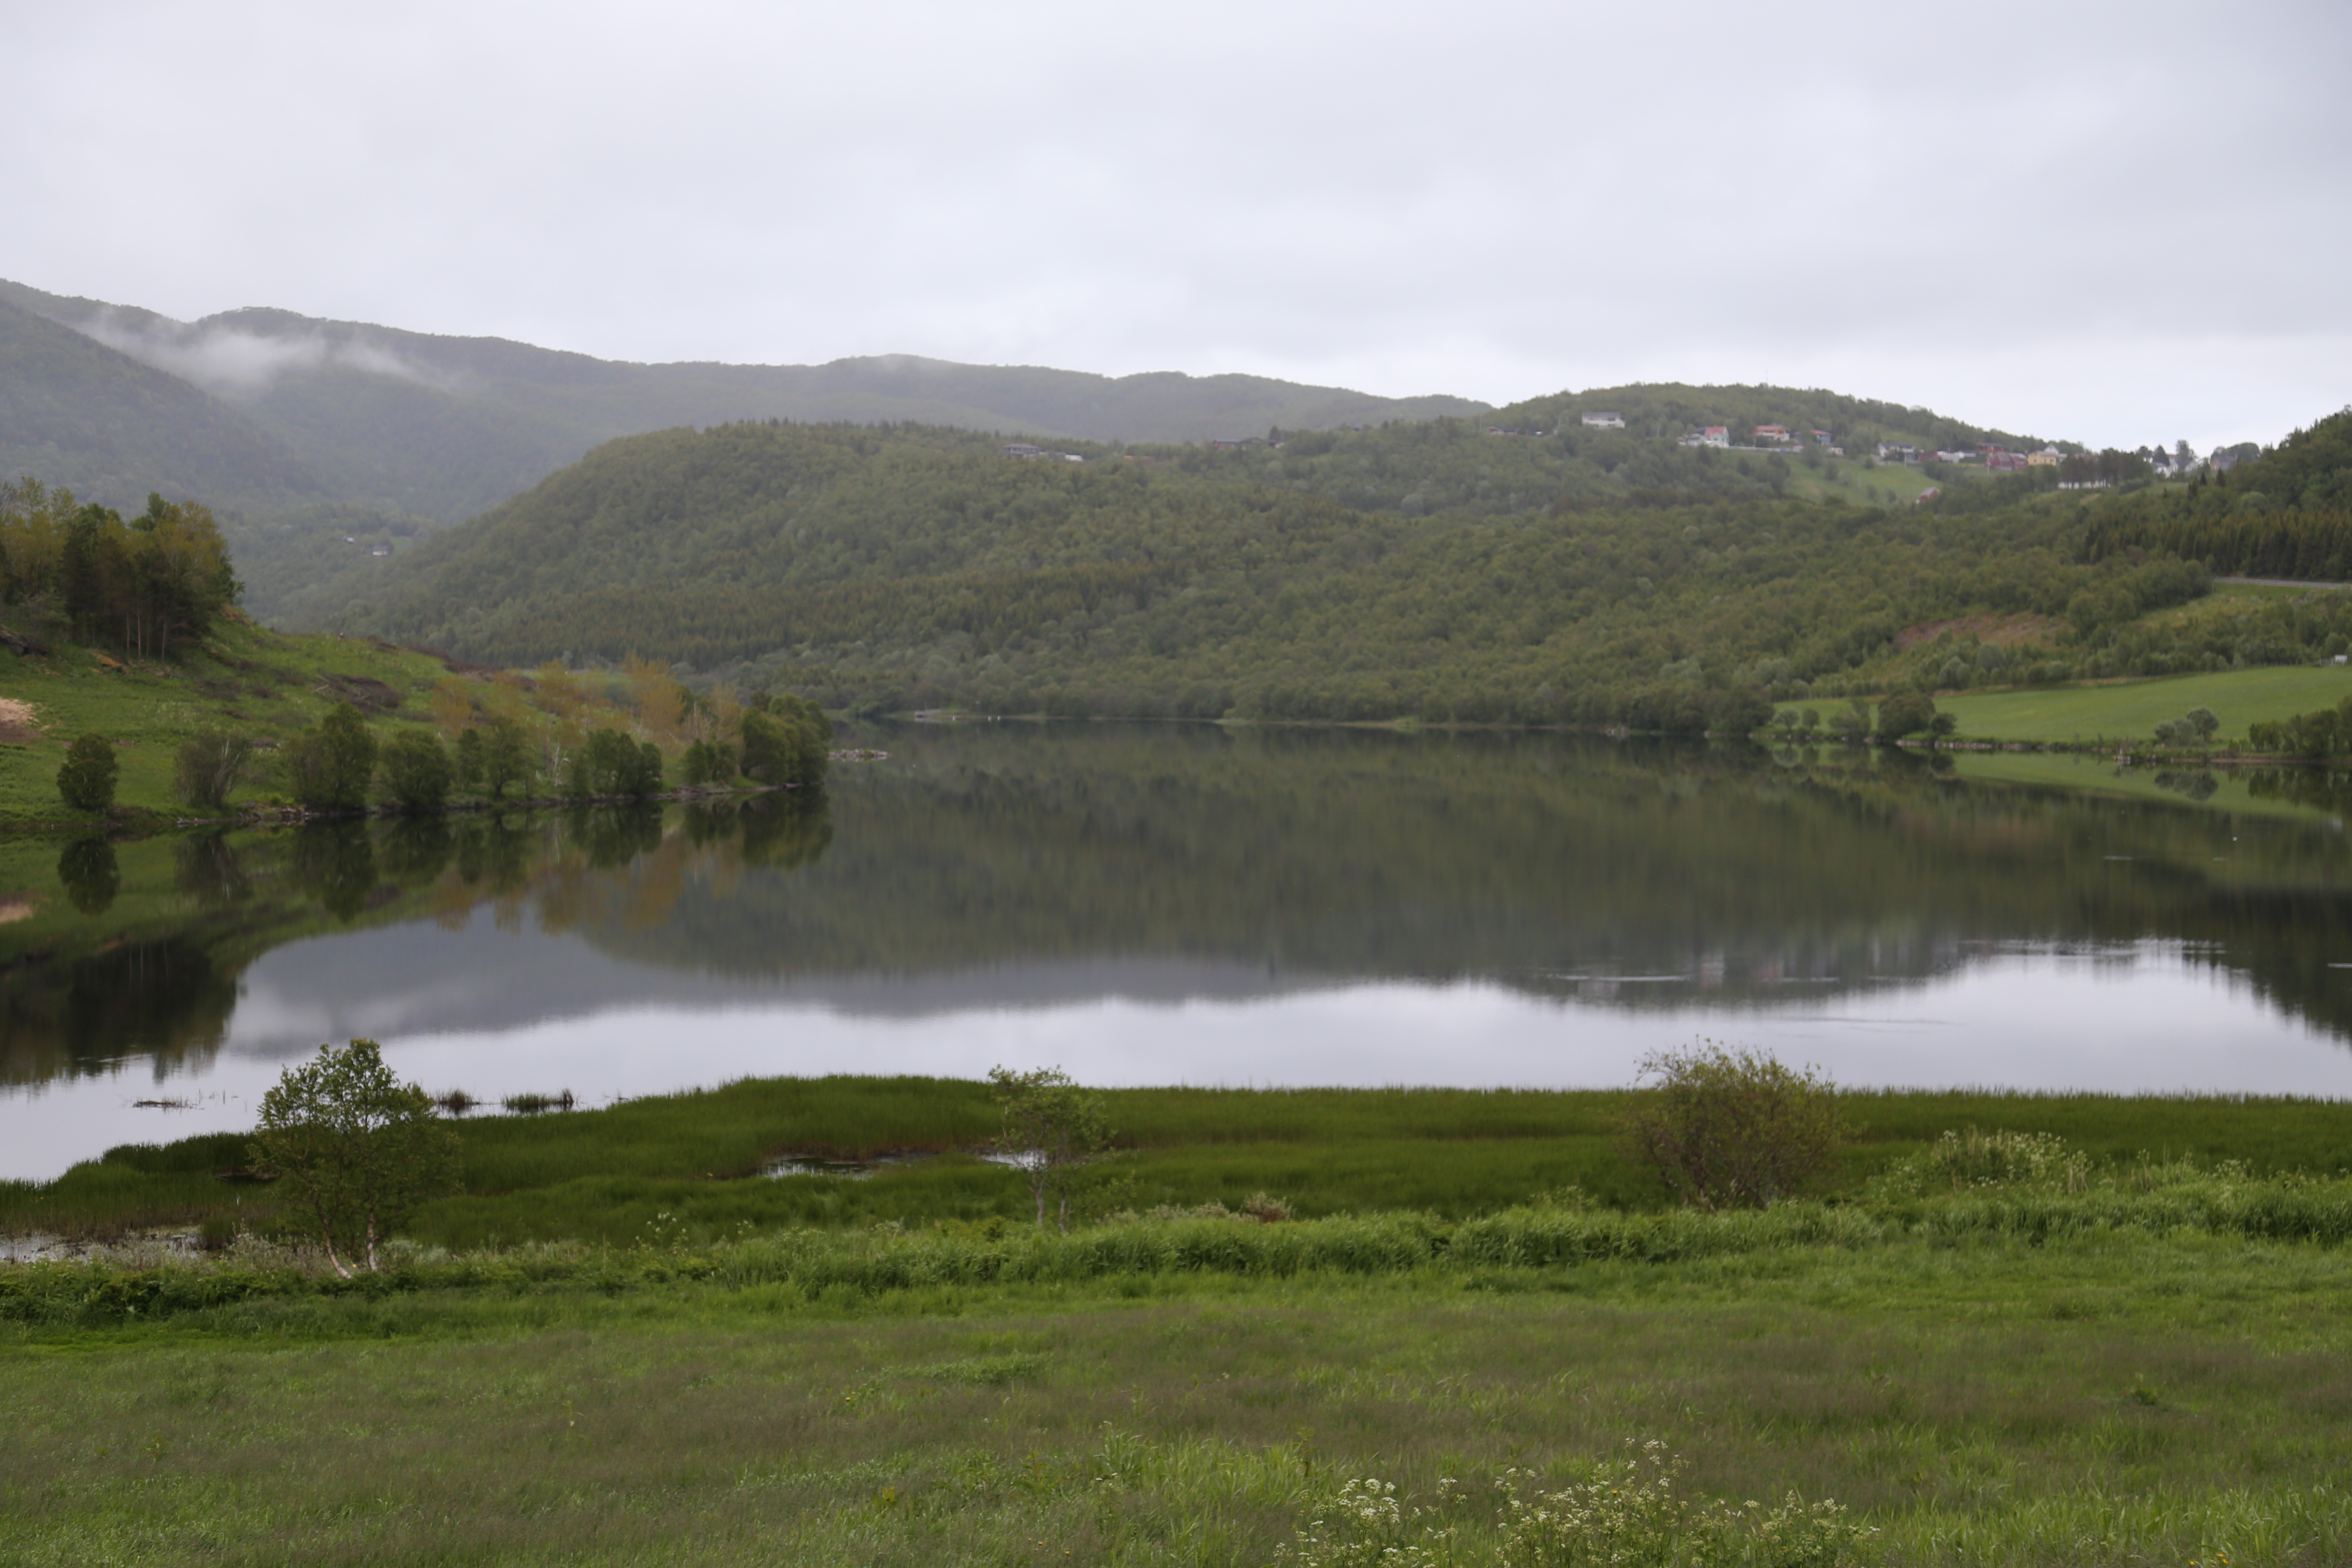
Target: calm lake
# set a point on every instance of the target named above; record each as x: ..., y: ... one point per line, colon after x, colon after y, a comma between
x: 1162, y: 904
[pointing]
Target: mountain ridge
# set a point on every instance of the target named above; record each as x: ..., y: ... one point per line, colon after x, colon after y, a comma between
x: 445, y: 427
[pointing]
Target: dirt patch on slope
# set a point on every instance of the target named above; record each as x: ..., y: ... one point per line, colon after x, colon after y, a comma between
x: 2001, y: 631
x: 19, y: 725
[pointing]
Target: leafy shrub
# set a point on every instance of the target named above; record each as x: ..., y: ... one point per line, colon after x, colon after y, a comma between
x: 208, y: 767
x: 86, y: 779
x: 1733, y: 1129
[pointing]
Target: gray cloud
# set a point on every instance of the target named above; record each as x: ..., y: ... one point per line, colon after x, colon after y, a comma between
x: 2114, y: 221
x: 233, y: 360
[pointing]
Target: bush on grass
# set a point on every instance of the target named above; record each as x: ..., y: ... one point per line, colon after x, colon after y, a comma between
x: 85, y: 780
x: 209, y: 766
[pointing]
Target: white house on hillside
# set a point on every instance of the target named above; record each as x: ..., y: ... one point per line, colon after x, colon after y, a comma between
x: 1605, y: 421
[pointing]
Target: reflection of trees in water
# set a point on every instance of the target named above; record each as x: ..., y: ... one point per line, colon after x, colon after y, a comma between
x: 165, y: 1000
x: 611, y: 836
x: 2322, y: 789
x: 413, y: 849
x: 171, y: 998
x: 210, y: 870
x: 1631, y: 875
x: 2196, y: 783
x: 784, y: 832
x: 493, y: 853
x: 89, y: 869
x: 1552, y: 865
x: 334, y: 863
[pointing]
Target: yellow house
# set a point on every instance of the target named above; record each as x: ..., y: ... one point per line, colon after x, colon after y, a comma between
x: 2045, y: 459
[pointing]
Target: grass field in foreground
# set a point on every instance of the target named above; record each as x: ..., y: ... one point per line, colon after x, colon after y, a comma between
x: 2131, y: 709
x: 2127, y: 1399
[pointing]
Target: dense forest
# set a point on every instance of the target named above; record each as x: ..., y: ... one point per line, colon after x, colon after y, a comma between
x: 2287, y: 513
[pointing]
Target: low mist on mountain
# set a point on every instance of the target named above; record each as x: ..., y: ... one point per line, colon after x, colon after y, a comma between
x: 443, y: 427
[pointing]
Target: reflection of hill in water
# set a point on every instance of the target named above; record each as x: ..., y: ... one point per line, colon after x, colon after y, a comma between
x: 1623, y: 875
x: 1004, y: 866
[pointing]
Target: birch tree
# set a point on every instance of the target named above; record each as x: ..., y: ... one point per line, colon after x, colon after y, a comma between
x: 355, y: 1150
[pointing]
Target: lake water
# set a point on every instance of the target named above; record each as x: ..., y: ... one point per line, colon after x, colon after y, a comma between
x: 1182, y: 904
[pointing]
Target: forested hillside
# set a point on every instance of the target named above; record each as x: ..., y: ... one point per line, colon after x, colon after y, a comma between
x: 76, y: 413
x: 915, y: 568
x: 2287, y: 513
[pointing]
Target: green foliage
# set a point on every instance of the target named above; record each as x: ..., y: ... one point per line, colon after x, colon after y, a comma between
x: 208, y: 767
x: 466, y: 765
x: 1905, y: 713
x: 331, y: 765
x: 2287, y: 513
x: 1051, y: 1130
x: 1729, y: 1129
x: 355, y: 1150
x: 609, y: 765
x: 2324, y: 733
x: 917, y: 569
x: 706, y: 764
x: 417, y: 771
x: 786, y: 744
x: 2193, y: 728
x: 161, y: 579
x: 506, y: 756
x: 86, y: 778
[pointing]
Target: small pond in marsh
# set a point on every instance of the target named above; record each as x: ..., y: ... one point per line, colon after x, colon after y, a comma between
x: 1155, y: 904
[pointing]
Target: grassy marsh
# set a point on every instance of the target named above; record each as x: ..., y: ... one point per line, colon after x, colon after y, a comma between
x: 601, y: 1175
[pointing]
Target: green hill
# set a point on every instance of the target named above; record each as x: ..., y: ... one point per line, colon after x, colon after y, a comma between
x: 914, y: 568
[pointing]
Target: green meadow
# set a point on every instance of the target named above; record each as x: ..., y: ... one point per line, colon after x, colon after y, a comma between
x: 623, y: 1344
x: 2132, y: 710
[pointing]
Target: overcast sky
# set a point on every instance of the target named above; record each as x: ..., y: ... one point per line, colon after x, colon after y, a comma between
x: 2114, y: 223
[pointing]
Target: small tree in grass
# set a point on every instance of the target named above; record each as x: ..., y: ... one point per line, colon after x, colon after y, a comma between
x: 87, y: 780
x: 1731, y: 1129
x: 1053, y: 1130
x: 355, y: 1150
x: 208, y: 767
